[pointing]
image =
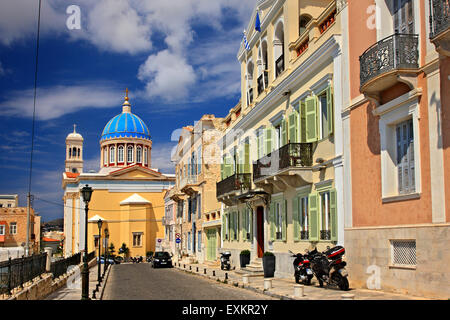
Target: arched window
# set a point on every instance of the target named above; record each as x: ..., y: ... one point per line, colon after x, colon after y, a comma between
x: 263, y: 72
x: 112, y: 154
x: 74, y: 170
x: 120, y: 154
x: 139, y: 154
x: 79, y: 153
x: 249, y: 82
x: 105, y: 156
x: 74, y: 152
x: 146, y: 156
x: 130, y: 154
x: 278, y: 48
x: 70, y: 152
x: 303, y: 21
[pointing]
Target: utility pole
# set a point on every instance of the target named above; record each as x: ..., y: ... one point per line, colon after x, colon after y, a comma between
x: 27, y: 242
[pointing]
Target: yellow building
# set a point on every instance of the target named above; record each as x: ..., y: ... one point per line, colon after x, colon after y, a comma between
x: 128, y: 195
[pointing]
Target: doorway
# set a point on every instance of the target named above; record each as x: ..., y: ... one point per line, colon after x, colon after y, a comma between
x: 260, y: 231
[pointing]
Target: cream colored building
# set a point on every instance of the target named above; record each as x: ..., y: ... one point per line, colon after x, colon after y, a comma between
x: 9, y: 200
x: 282, y: 174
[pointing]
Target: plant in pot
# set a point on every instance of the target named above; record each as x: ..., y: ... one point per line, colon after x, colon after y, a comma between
x: 244, y: 258
x: 268, y: 264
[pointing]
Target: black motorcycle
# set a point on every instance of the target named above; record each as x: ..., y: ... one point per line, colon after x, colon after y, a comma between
x: 225, y: 260
x: 302, y: 269
x: 328, y: 267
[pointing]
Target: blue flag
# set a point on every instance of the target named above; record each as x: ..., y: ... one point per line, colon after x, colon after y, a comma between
x: 257, y: 23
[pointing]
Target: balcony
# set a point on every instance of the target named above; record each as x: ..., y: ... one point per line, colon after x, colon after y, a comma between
x: 440, y: 25
x: 188, y: 184
x: 288, y: 166
x: 279, y: 65
x: 235, y: 183
x: 383, y: 64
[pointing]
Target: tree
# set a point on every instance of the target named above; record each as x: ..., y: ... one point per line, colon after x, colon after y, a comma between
x: 111, y: 249
x: 124, y: 250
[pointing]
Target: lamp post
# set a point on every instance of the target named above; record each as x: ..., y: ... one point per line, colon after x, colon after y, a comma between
x: 106, y: 251
x: 99, y: 223
x: 86, y: 193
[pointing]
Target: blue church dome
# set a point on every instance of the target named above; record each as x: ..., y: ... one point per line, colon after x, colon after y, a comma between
x: 126, y: 125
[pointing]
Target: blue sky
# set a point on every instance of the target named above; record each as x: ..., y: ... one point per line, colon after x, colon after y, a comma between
x: 177, y: 57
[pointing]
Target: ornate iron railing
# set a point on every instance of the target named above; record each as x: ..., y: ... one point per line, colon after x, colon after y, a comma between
x: 290, y: 155
x: 399, y: 51
x: 279, y: 65
x: 439, y: 20
x: 15, y: 272
x: 59, y: 267
x: 325, y: 235
x: 240, y: 181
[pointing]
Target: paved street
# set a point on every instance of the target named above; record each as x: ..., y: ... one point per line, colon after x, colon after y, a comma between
x: 141, y: 282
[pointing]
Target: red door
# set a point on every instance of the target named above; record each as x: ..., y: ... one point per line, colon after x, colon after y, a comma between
x: 260, y: 230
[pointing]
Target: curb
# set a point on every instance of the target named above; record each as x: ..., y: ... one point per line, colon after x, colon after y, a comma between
x: 104, y: 282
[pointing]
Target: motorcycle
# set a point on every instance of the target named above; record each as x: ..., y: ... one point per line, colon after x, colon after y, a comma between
x: 225, y: 260
x: 328, y: 267
x: 302, y: 269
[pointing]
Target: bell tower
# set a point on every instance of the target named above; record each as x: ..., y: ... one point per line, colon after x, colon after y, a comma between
x: 74, y: 152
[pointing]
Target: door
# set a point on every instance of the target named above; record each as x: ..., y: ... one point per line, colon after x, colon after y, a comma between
x: 260, y: 231
x: 211, y: 242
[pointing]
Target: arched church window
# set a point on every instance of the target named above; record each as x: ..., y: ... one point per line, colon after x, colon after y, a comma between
x: 130, y: 154
x: 139, y: 154
x: 105, y: 156
x: 74, y: 170
x: 70, y: 152
x: 74, y: 152
x: 120, y: 154
x: 112, y: 153
x: 78, y: 152
x: 145, y: 155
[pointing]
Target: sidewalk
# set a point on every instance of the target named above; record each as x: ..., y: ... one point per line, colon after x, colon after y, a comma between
x: 284, y: 288
x: 73, y: 291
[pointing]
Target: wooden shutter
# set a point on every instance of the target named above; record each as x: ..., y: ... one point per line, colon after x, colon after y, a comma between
x: 268, y: 140
x: 223, y: 226
x: 247, y: 157
x: 240, y: 158
x: 302, y: 121
x: 313, y: 213
x: 295, y: 220
x: 293, y: 127
x: 330, y: 110
x: 333, y: 215
x: 238, y: 225
x: 272, y: 221
x: 284, y: 220
x: 283, y: 132
x: 311, y: 119
x: 250, y: 212
x: 231, y: 226
x: 244, y: 225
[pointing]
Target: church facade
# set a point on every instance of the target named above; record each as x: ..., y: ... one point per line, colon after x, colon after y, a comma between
x: 128, y: 195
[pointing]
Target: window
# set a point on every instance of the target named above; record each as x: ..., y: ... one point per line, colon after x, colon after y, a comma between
x: 303, y: 21
x: 278, y: 137
x: 260, y: 142
x: 403, y: 16
x: 112, y: 154
x: 325, y: 226
x: 324, y: 117
x: 120, y: 154
x: 403, y: 253
x: 199, y: 241
x: 1, y: 205
x: 2, y: 230
x: 137, y: 239
x: 145, y: 155
x: 189, y: 241
x: 139, y: 154
x: 405, y: 157
x: 199, y: 206
x: 199, y: 160
x: 74, y: 170
x: 13, y: 228
x: 130, y: 152
x: 278, y: 48
x: 105, y: 156
x: 70, y: 152
x: 300, y: 218
x: 74, y: 152
x: 96, y: 238
x: 226, y: 226
x: 278, y: 221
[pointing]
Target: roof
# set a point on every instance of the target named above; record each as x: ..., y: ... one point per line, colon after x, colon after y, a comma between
x: 72, y: 174
x: 50, y: 240
x: 135, y: 199
x: 96, y: 218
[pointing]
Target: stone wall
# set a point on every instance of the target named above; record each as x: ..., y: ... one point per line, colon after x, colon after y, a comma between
x: 368, y: 254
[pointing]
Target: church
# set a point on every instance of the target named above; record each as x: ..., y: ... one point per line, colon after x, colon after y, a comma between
x: 128, y: 195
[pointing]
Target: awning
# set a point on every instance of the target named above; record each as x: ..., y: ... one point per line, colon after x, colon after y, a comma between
x: 3, y: 222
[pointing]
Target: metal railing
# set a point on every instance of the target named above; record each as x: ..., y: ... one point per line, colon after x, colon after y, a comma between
x: 240, y: 181
x: 59, y: 267
x: 290, y: 155
x: 399, y: 51
x: 15, y: 272
x: 439, y: 20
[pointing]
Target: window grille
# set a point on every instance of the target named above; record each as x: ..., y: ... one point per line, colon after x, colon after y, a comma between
x: 403, y: 252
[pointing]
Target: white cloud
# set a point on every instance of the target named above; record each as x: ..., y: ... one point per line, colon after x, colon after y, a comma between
x: 57, y: 101
x: 161, y: 157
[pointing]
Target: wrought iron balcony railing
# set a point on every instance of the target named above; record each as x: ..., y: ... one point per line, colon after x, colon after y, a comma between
x: 279, y: 65
x: 291, y: 155
x: 399, y: 51
x: 439, y: 20
x: 240, y: 181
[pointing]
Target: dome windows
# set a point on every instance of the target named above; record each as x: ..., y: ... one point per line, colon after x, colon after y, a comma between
x: 120, y: 154
x: 139, y: 154
x: 130, y: 152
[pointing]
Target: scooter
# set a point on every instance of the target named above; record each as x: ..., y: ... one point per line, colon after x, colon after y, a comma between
x: 302, y: 269
x: 328, y: 267
x: 225, y: 260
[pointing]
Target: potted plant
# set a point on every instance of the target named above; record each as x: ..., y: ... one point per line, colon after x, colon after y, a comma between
x: 268, y: 264
x: 244, y: 258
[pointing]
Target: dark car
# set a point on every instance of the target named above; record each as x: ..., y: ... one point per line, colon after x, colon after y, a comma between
x: 161, y: 259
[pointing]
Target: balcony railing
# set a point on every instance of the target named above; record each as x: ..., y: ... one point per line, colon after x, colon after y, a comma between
x: 292, y: 155
x: 399, y: 51
x: 439, y: 20
x: 188, y: 180
x: 279, y: 65
x: 240, y: 181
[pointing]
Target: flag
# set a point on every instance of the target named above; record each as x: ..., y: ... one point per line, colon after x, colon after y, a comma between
x: 247, y: 46
x: 257, y: 23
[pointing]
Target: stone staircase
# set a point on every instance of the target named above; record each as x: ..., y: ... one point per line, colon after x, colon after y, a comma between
x: 254, y: 269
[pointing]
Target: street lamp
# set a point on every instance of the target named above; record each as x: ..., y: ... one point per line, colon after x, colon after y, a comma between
x: 106, y: 251
x: 99, y: 223
x: 86, y: 193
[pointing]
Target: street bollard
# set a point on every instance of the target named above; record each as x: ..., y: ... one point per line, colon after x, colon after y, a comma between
x: 184, y: 266
x: 190, y: 267
x: 267, y: 284
x: 245, y: 279
x: 197, y: 269
x: 348, y: 296
x: 204, y: 271
x: 214, y: 273
x: 226, y: 275
x: 299, y: 290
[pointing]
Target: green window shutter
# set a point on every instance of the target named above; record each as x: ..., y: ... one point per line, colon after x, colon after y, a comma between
x: 295, y: 215
x: 293, y: 127
x: 283, y: 132
x: 240, y: 159
x: 284, y: 220
x: 243, y: 213
x: 313, y: 216
x: 268, y: 140
x: 311, y: 119
x: 330, y: 110
x: 247, y: 158
x: 250, y: 211
x: 272, y: 221
x: 222, y: 169
x: 302, y: 121
x: 238, y: 216
x: 231, y: 226
x: 333, y: 215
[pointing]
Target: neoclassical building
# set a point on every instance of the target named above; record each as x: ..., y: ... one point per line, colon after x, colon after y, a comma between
x: 128, y: 194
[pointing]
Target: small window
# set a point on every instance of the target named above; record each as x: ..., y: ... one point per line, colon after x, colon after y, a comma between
x: 278, y: 221
x: 112, y: 155
x: 96, y: 242
x: 303, y: 218
x: 325, y: 223
x: 403, y: 253
x: 13, y: 228
x: 324, y: 116
x: 2, y: 230
x: 304, y: 20
x: 120, y: 154
x: 74, y: 170
x: 199, y: 241
x: 130, y: 154
x: 105, y: 156
x: 405, y: 157
x: 145, y: 156
x: 139, y: 154
x: 137, y: 239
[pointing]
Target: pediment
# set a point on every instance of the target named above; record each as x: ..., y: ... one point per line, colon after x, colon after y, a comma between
x: 137, y: 172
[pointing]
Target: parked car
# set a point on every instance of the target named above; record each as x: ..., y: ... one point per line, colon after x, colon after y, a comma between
x: 102, y: 260
x: 162, y: 259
